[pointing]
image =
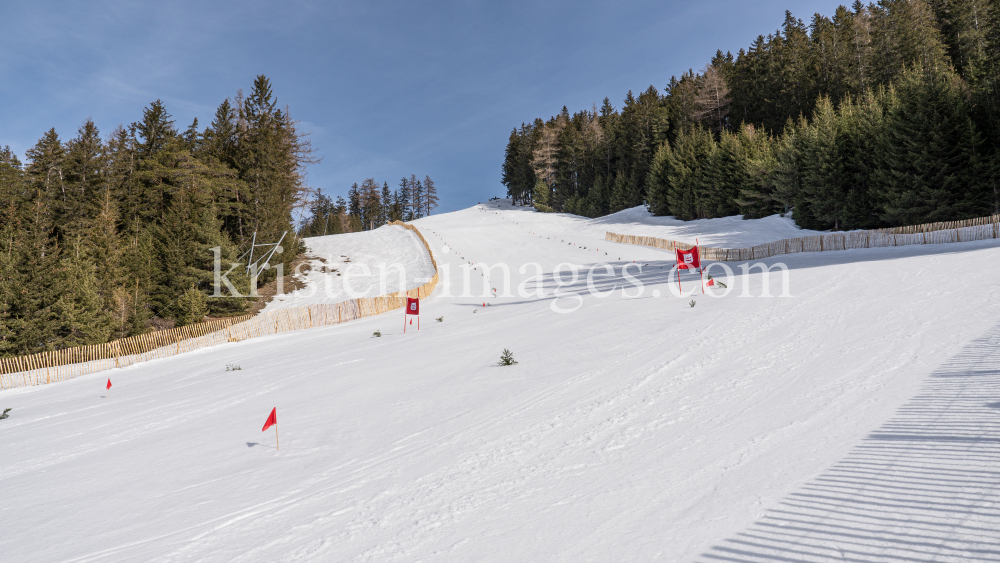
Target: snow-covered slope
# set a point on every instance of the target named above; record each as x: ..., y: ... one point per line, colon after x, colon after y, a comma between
x: 724, y: 232
x: 364, y: 258
x: 631, y: 429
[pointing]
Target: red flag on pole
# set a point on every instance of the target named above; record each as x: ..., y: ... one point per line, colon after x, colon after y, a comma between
x: 688, y: 259
x: 412, y: 306
x: 109, y: 384
x: 272, y: 420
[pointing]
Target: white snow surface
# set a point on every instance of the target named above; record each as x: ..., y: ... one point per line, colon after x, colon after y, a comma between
x: 722, y: 232
x: 858, y: 420
x: 377, y: 262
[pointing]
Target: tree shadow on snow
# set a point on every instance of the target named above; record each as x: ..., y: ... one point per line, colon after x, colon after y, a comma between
x: 923, y: 487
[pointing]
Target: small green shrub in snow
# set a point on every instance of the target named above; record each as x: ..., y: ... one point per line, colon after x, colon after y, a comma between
x: 506, y: 358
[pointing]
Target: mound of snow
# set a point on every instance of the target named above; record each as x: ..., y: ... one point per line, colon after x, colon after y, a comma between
x: 724, y: 232
x: 365, y: 264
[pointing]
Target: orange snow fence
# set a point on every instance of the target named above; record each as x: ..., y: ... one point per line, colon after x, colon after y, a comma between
x: 982, y: 228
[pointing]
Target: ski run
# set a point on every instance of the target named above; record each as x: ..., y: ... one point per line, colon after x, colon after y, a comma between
x: 855, y: 418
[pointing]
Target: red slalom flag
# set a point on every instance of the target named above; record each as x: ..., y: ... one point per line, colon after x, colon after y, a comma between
x: 412, y: 308
x: 272, y: 420
x: 688, y: 259
x: 109, y: 384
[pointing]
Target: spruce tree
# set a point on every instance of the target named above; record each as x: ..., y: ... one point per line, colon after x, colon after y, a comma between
x: 78, y: 316
x: 84, y: 180
x: 405, y: 199
x: 417, y: 193
x: 932, y: 166
x: 658, y: 182
x: 824, y: 185
x: 430, y: 195
x: 689, y: 159
x: 386, y: 214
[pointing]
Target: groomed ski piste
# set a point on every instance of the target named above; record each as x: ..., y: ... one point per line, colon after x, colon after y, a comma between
x: 857, y: 418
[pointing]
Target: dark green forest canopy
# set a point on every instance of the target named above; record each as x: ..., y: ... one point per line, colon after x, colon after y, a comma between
x: 105, y: 238
x: 370, y: 206
x: 885, y: 114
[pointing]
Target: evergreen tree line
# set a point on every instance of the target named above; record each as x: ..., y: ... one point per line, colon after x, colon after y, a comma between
x: 886, y: 114
x: 102, y: 238
x: 370, y: 206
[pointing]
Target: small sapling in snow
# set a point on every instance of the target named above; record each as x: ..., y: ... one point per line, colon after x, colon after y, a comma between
x: 507, y: 358
x: 692, y: 303
x: 5, y: 415
x: 233, y: 367
x: 377, y: 334
x: 440, y: 319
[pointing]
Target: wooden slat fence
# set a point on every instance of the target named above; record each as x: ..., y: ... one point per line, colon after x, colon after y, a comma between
x: 931, y: 233
x: 68, y: 363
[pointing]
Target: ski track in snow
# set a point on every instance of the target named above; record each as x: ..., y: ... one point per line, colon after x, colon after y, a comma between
x: 835, y: 425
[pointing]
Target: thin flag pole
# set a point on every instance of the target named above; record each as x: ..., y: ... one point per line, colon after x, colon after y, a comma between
x: 277, y: 445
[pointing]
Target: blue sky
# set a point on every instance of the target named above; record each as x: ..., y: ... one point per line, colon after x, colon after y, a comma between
x: 386, y: 89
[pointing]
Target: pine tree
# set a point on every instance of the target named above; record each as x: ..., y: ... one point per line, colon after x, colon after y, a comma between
x: 689, y: 159
x: 624, y: 193
x: 47, y: 191
x: 430, y: 195
x: 84, y: 168
x: 371, y: 206
x: 417, y: 193
x: 405, y: 198
x: 12, y: 252
x: 659, y: 183
x: 820, y: 201
x: 354, y: 202
x: 386, y: 214
x: 192, y: 307
x: 78, y: 316
x: 932, y: 167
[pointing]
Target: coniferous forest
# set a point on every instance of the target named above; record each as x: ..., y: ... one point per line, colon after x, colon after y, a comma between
x: 109, y: 236
x: 886, y: 114
x: 370, y: 206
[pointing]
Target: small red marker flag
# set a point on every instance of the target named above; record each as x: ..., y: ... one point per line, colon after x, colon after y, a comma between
x: 109, y: 384
x: 272, y: 420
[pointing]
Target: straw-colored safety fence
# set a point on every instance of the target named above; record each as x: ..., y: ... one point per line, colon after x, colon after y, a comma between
x: 60, y: 365
x: 931, y: 233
